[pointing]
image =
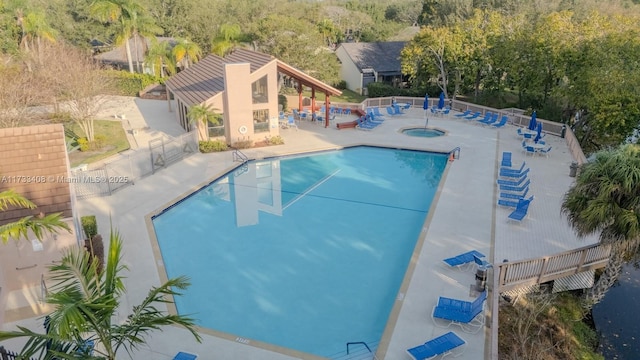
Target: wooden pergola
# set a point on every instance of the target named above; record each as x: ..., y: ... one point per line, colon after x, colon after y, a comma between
x: 306, y: 80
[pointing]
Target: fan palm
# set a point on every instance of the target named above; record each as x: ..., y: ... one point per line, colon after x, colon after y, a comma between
x: 85, y: 302
x: 202, y: 115
x: 37, y: 225
x: 229, y: 35
x: 606, y: 199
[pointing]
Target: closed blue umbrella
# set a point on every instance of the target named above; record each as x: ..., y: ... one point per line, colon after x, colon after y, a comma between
x: 441, y: 101
x: 532, y: 122
x: 538, y: 136
x: 425, y: 104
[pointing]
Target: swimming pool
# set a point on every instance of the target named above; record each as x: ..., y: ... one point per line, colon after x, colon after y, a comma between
x: 303, y: 252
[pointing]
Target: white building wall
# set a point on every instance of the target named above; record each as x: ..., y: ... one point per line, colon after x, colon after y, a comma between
x: 349, y: 72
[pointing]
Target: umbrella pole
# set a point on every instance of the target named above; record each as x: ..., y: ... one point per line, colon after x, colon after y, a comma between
x: 426, y: 120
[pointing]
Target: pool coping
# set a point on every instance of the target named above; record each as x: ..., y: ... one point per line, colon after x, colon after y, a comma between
x: 406, y: 280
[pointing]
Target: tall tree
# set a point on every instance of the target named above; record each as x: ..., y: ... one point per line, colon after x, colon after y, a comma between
x: 160, y: 58
x: 130, y: 20
x: 228, y: 37
x: 51, y: 223
x: 202, y: 115
x: 85, y: 302
x: 186, y: 52
x: 606, y: 200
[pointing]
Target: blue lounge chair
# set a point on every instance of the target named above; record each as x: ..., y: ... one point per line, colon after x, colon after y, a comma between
x: 397, y: 109
x: 491, y: 121
x: 521, y: 210
x: 506, y: 159
x: 463, y: 260
x: 390, y: 111
x: 362, y: 125
x: 514, y: 195
x: 467, y: 315
x: 442, y: 345
x: 512, y: 175
x: 487, y: 117
x: 512, y: 182
x: 474, y: 116
x: 482, y: 263
x: 515, y: 188
x: 291, y: 122
x: 504, y: 168
x: 406, y: 106
x: 512, y: 203
x: 503, y: 121
x: 463, y: 114
x: 376, y: 111
x: 185, y: 356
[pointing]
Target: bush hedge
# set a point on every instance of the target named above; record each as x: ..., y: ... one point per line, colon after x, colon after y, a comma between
x: 212, y: 146
x: 282, y: 100
x: 130, y: 84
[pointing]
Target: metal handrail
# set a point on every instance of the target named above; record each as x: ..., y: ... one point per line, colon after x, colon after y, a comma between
x: 239, y: 156
x: 455, y: 152
x: 361, y: 343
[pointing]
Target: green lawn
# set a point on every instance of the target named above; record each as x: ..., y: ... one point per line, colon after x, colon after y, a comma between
x: 116, y: 141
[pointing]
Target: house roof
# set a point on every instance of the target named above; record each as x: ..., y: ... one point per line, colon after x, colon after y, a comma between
x: 383, y: 57
x: 205, y: 79
x: 34, y: 164
x: 118, y: 55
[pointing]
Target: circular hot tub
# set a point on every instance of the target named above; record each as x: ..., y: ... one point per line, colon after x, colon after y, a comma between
x: 423, y: 132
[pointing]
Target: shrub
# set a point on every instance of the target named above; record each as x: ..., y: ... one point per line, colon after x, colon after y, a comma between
x: 95, y: 247
x: 376, y: 89
x: 60, y: 117
x: 275, y: 140
x: 243, y: 144
x: 99, y: 141
x: 212, y: 146
x: 341, y: 85
x: 282, y: 100
x: 89, y: 225
x: 128, y: 84
x: 83, y: 143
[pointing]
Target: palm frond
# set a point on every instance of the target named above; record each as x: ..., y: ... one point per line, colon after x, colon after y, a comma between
x: 51, y: 223
x: 12, y: 198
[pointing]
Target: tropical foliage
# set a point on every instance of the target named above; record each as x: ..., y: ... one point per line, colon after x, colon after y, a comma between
x: 605, y: 200
x: 86, y: 302
x: 20, y: 229
x: 202, y: 115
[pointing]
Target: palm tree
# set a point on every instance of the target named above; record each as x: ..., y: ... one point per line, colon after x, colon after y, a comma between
x: 203, y: 114
x: 160, y: 59
x: 228, y: 37
x: 186, y: 52
x: 34, y: 28
x: 606, y: 199
x: 131, y: 22
x: 37, y: 225
x: 86, y: 300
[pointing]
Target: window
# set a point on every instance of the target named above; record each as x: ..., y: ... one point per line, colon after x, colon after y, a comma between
x: 259, y: 91
x: 216, y: 127
x: 260, y: 120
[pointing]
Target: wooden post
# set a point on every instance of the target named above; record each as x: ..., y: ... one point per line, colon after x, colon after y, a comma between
x: 313, y: 100
x: 299, y: 96
x: 326, y: 109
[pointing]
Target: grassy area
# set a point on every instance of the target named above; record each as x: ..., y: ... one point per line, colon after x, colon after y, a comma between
x: 115, y: 142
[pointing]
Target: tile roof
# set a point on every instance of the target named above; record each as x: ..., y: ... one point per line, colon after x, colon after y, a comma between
x: 383, y: 57
x: 34, y: 164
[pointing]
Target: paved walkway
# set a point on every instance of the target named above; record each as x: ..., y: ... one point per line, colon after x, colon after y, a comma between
x: 463, y: 217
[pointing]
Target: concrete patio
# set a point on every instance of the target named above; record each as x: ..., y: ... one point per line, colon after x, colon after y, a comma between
x: 463, y: 217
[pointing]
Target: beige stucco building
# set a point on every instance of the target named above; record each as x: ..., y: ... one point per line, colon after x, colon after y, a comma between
x: 243, y: 88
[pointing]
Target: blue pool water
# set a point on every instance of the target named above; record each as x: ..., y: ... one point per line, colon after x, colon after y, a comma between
x: 304, y: 252
x: 423, y: 132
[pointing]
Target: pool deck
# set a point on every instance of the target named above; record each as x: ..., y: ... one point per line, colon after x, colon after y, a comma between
x: 464, y: 217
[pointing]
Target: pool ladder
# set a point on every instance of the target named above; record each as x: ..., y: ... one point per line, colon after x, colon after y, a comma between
x: 239, y: 156
x: 361, y: 343
x: 455, y: 152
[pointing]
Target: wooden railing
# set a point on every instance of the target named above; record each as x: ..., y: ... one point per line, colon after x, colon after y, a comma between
x: 513, y: 275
